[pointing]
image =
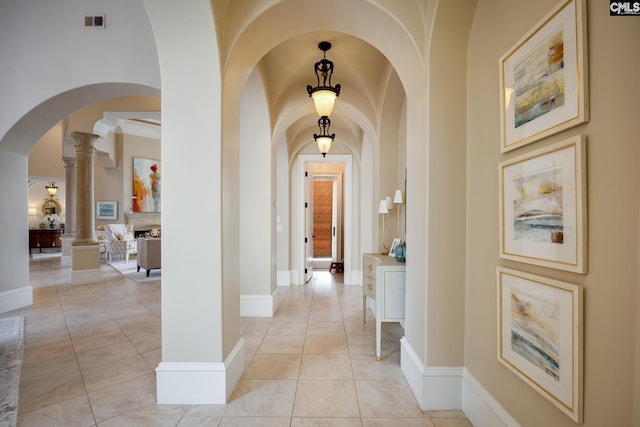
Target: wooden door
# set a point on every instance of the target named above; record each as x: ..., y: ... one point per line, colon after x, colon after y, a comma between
x: 322, y: 219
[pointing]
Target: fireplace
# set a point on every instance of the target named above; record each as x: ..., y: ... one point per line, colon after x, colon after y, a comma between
x: 143, y: 222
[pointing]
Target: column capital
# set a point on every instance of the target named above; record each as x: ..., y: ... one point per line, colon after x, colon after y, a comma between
x: 84, y: 140
x: 69, y: 162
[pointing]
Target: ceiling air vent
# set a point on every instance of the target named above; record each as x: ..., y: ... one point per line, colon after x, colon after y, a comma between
x: 94, y: 21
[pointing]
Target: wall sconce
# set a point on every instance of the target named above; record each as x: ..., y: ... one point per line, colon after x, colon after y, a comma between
x: 324, y: 95
x: 383, y: 209
x: 52, y: 189
x: 325, y: 139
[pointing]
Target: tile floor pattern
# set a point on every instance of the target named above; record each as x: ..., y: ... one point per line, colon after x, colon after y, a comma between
x: 90, y: 353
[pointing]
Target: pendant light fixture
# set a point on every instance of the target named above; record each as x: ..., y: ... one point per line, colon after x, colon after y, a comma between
x: 52, y: 189
x: 324, y: 95
x: 325, y: 139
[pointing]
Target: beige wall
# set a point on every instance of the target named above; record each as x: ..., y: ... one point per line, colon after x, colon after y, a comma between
x: 610, y: 287
x: 45, y: 160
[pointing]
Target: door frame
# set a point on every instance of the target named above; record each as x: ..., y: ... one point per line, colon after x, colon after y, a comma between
x: 347, y: 161
x: 336, y: 210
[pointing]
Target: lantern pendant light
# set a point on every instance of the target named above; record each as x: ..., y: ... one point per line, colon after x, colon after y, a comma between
x: 325, y: 139
x: 51, y: 189
x: 324, y: 95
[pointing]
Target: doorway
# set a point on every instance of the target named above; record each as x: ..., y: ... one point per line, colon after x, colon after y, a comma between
x: 325, y: 207
x: 337, y: 172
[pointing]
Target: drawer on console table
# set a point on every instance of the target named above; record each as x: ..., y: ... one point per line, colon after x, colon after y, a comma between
x: 369, y: 286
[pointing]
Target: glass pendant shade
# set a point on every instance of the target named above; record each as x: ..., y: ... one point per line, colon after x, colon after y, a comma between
x: 324, y: 100
x: 52, y: 189
x: 324, y: 144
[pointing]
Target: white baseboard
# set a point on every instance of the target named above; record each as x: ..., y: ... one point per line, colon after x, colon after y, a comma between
x: 257, y: 305
x: 83, y: 277
x: 187, y: 383
x: 353, y: 277
x: 283, y: 278
x: 452, y: 388
x: 434, y: 387
x: 15, y: 299
x: 480, y: 407
x: 294, y: 278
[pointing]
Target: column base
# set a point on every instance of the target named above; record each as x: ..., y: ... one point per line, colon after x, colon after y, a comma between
x: 85, y: 264
x: 65, y: 259
x: 187, y: 383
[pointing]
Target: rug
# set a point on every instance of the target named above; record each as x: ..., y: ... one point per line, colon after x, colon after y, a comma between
x: 11, y: 350
x: 130, y: 271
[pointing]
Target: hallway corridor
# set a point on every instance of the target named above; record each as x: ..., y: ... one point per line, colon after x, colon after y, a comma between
x: 91, y: 350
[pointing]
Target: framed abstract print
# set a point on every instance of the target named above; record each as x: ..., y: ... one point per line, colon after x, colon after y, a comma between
x: 543, y: 78
x: 543, y: 207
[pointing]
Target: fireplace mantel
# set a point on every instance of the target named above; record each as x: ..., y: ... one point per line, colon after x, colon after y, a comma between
x: 142, y: 218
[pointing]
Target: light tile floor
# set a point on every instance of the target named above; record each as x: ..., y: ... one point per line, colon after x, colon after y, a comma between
x: 91, y: 350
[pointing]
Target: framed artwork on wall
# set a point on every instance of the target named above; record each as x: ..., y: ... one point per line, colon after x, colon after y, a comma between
x: 107, y: 210
x: 540, y: 336
x: 146, y: 185
x: 543, y: 78
x: 543, y: 197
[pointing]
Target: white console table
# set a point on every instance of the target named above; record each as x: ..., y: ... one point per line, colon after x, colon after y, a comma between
x: 383, y: 280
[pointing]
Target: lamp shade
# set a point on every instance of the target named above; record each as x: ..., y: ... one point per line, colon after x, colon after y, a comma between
x: 324, y: 100
x: 33, y: 211
x: 52, y: 189
x: 389, y: 202
x: 324, y: 144
x: 397, y: 197
x: 383, y: 207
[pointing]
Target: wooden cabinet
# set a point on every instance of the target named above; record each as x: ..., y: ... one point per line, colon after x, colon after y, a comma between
x: 45, y: 239
x: 383, y: 280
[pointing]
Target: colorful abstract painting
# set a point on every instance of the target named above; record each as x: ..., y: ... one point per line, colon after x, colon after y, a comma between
x: 534, y: 331
x: 146, y: 185
x: 539, y: 81
x: 537, y: 206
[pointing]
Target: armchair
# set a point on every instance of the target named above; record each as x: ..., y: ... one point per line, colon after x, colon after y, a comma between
x: 120, y: 241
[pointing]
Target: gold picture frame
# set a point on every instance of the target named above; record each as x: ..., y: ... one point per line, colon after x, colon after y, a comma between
x: 540, y: 336
x: 543, y: 78
x: 543, y: 199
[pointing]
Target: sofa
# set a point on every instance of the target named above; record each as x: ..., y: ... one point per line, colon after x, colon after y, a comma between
x: 149, y: 253
x: 120, y: 241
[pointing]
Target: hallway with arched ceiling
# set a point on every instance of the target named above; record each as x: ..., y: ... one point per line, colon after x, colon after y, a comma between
x: 419, y: 110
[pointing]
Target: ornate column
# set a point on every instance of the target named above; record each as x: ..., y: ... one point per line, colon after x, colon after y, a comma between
x: 70, y: 197
x: 69, y: 216
x: 85, y: 264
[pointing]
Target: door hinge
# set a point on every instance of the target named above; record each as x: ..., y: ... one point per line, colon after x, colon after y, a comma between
x: 306, y: 173
x: 306, y: 271
x: 306, y: 205
x: 305, y: 240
